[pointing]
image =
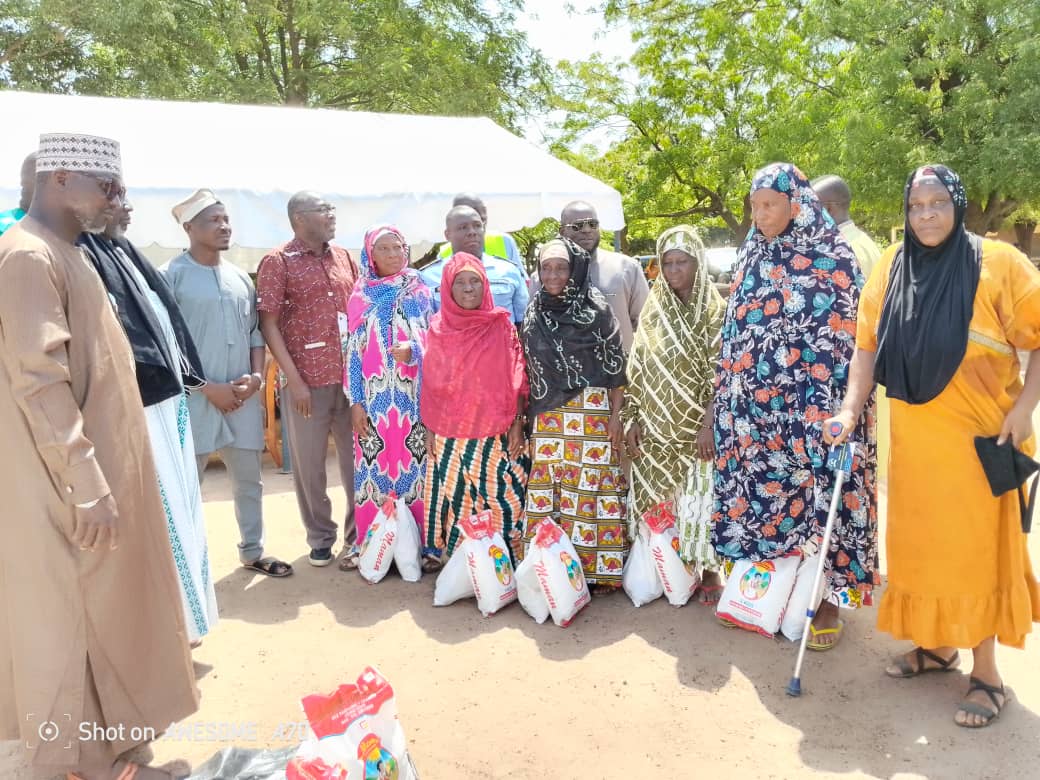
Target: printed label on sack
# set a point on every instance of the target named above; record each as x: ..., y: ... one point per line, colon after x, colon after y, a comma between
x: 380, y: 763
x: 369, y: 535
x: 756, y: 580
x: 503, y: 567
x: 471, y: 561
x: 548, y: 534
x: 574, y: 575
x: 661, y: 517
x: 388, y: 543
x: 543, y: 579
x: 477, y: 526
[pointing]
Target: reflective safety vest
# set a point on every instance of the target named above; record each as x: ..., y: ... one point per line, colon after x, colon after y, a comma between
x: 494, y: 244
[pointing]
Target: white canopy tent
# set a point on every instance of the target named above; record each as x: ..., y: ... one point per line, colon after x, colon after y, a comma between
x: 391, y: 168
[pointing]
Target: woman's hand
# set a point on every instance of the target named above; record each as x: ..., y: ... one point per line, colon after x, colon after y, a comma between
x: 515, y: 443
x: 706, y: 443
x: 429, y: 444
x: 847, y: 422
x: 401, y: 352
x: 634, y: 440
x: 1018, y: 426
x: 616, y: 431
x: 359, y: 419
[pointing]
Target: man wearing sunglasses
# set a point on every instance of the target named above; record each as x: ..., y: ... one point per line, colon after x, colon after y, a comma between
x: 619, y: 277
x: 91, y: 626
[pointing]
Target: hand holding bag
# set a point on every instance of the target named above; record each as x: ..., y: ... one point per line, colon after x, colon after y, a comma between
x: 1007, y: 469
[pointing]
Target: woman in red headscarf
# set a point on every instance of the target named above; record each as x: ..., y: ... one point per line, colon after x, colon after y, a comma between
x: 474, y: 393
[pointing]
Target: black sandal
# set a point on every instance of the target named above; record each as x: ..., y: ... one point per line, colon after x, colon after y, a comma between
x: 431, y: 563
x: 907, y: 670
x: 973, y: 708
x: 271, y: 567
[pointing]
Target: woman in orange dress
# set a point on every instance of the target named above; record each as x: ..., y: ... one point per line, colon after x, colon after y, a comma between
x: 940, y: 325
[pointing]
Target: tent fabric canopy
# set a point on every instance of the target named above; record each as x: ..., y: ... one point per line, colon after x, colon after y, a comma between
x: 394, y: 168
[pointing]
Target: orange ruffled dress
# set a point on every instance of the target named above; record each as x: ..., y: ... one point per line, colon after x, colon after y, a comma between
x: 958, y: 565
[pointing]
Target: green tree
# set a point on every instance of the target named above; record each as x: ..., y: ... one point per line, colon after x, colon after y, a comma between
x: 865, y: 88
x: 440, y: 57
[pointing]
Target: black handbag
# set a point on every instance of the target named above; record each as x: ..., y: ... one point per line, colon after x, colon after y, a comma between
x: 1007, y: 469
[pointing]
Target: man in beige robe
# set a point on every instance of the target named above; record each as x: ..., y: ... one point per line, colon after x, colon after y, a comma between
x: 92, y: 639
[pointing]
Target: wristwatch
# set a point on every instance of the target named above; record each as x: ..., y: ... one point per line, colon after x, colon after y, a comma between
x: 260, y: 379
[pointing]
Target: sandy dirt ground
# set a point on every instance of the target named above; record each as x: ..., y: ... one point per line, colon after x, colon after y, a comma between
x: 623, y: 693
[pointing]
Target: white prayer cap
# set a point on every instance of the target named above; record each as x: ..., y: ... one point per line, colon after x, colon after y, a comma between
x: 78, y: 152
x: 187, y: 210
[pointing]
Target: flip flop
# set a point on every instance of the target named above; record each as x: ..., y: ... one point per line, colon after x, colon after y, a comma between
x: 271, y: 567
x: 906, y: 670
x: 821, y: 647
x: 973, y: 708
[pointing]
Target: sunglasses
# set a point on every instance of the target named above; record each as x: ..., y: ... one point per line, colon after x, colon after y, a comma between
x: 112, y: 188
x: 581, y: 224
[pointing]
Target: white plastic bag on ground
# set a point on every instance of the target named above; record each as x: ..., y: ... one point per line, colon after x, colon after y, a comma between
x: 479, y: 567
x: 408, y: 548
x: 793, y: 624
x: 556, y: 566
x: 757, y: 592
x: 453, y: 583
x: 678, y: 579
x: 639, y: 578
x: 487, y: 559
x: 355, y: 735
x: 377, y: 548
x: 529, y: 590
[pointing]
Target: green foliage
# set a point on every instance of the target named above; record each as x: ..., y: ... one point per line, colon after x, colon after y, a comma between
x: 436, y: 57
x: 867, y: 89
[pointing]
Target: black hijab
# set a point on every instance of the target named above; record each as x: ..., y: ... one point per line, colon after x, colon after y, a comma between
x: 571, y: 341
x: 160, y: 373
x: 923, y: 328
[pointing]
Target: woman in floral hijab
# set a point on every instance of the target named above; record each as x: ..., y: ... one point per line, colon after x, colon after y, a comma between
x: 787, y: 340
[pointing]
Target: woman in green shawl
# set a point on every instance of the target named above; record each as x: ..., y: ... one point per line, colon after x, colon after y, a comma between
x: 668, y: 401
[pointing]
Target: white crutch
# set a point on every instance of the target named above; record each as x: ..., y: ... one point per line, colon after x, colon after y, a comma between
x: 839, y: 459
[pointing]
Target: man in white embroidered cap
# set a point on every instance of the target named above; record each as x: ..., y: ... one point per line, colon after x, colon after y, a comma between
x: 91, y: 628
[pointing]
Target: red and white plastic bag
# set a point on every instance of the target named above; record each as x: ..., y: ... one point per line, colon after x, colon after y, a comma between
x: 355, y: 735
x: 757, y: 593
x: 550, y: 579
x: 678, y: 579
x: 393, y: 537
x: 480, y: 566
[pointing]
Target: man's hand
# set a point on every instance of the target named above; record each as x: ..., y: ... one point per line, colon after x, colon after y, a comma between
x: 222, y: 395
x: 97, y: 527
x: 301, y: 398
x: 246, y: 386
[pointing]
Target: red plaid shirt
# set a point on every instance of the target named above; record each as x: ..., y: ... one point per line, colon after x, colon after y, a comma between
x: 307, y: 291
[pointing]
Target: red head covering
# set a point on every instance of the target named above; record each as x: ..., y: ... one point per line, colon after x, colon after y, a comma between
x: 473, y: 370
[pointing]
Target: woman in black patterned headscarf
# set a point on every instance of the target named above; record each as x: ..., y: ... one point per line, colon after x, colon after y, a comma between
x: 576, y: 369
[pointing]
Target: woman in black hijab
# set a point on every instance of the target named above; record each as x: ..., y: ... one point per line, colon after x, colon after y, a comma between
x: 576, y: 370
x: 941, y: 323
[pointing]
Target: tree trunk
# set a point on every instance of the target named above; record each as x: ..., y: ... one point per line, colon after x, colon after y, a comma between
x: 1024, y: 230
x: 988, y: 218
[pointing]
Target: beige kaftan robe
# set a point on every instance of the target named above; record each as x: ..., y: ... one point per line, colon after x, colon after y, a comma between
x: 83, y: 635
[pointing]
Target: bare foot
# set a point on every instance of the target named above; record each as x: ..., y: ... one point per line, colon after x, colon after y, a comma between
x: 710, y: 590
